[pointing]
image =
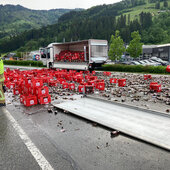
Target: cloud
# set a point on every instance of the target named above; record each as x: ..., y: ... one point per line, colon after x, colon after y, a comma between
x: 53, y: 4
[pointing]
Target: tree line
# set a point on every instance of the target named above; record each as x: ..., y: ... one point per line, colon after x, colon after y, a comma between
x: 152, y: 31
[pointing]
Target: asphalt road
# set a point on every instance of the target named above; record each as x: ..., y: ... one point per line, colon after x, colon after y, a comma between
x: 68, y: 142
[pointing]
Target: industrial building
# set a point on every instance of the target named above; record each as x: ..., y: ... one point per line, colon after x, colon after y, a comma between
x: 160, y: 51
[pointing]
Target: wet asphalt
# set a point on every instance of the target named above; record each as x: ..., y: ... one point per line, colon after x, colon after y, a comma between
x: 69, y: 142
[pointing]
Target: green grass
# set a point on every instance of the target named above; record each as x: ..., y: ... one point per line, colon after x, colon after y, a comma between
x: 149, y: 7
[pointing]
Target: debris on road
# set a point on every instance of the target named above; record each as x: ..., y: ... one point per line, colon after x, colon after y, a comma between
x: 114, y: 133
x: 46, y: 85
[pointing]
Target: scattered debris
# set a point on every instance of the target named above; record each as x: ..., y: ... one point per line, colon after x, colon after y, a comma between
x: 107, y: 144
x: 50, y: 111
x: 94, y: 124
x: 62, y: 130
x: 114, y: 133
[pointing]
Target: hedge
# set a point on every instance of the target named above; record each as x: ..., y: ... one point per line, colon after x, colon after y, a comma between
x: 23, y: 63
x: 134, y: 68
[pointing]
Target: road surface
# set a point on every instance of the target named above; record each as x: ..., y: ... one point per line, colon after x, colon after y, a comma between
x: 81, y: 145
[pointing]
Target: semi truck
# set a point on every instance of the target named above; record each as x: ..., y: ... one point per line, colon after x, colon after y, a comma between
x: 79, y: 55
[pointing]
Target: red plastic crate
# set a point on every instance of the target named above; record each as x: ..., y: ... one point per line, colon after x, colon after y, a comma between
x: 100, y: 86
x: 16, y: 91
x: 42, y: 91
x: 72, y: 86
x: 122, y: 82
x: 93, y: 78
x: 11, y: 85
x: 80, y: 88
x: 21, y: 98
x: 107, y: 73
x: 113, y: 80
x: 37, y: 83
x: 65, y: 85
x: 30, y: 100
x: 80, y: 79
x: 91, y: 83
x: 44, y: 99
x: 93, y: 72
x: 61, y: 80
x: 155, y: 86
x: 152, y: 85
x: 27, y: 90
x: 89, y: 89
x: 146, y: 77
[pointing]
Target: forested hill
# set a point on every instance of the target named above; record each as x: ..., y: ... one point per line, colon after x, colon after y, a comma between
x: 15, y: 19
x: 150, y: 17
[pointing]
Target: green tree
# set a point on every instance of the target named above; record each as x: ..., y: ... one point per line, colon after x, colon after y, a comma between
x: 135, y: 46
x: 116, y: 46
x: 165, y: 4
x: 157, y: 5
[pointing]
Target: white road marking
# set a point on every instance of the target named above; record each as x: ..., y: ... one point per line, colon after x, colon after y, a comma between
x: 42, y: 162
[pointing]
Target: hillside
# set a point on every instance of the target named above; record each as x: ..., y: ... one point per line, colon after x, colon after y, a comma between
x: 151, y: 18
x: 16, y: 19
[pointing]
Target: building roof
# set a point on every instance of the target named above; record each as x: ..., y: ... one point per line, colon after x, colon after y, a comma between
x: 163, y: 45
x: 149, y: 46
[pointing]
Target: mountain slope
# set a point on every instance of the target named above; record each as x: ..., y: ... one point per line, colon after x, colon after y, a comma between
x: 16, y: 19
x: 99, y: 22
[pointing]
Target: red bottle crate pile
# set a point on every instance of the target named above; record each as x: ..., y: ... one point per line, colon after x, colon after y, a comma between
x: 70, y: 56
x: 30, y: 84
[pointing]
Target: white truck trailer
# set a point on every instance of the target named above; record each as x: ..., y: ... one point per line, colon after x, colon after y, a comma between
x: 75, y: 55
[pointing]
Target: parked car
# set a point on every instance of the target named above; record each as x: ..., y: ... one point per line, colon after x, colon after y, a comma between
x: 134, y: 63
x: 142, y: 62
x: 155, y: 63
x: 159, y: 60
x: 152, y: 63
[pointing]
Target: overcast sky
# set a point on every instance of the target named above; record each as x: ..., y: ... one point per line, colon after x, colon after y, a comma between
x: 53, y: 4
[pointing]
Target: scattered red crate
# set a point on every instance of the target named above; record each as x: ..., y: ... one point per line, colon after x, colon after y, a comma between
x: 46, y: 99
x: 80, y: 88
x: 100, y: 86
x: 113, y: 80
x: 122, y: 82
x: 65, y: 85
x: 30, y: 100
x: 146, y: 77
x: 72, y: 86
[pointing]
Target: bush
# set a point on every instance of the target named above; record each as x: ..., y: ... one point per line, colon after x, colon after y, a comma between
x: 134, y: 68
x: 23, y: 63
